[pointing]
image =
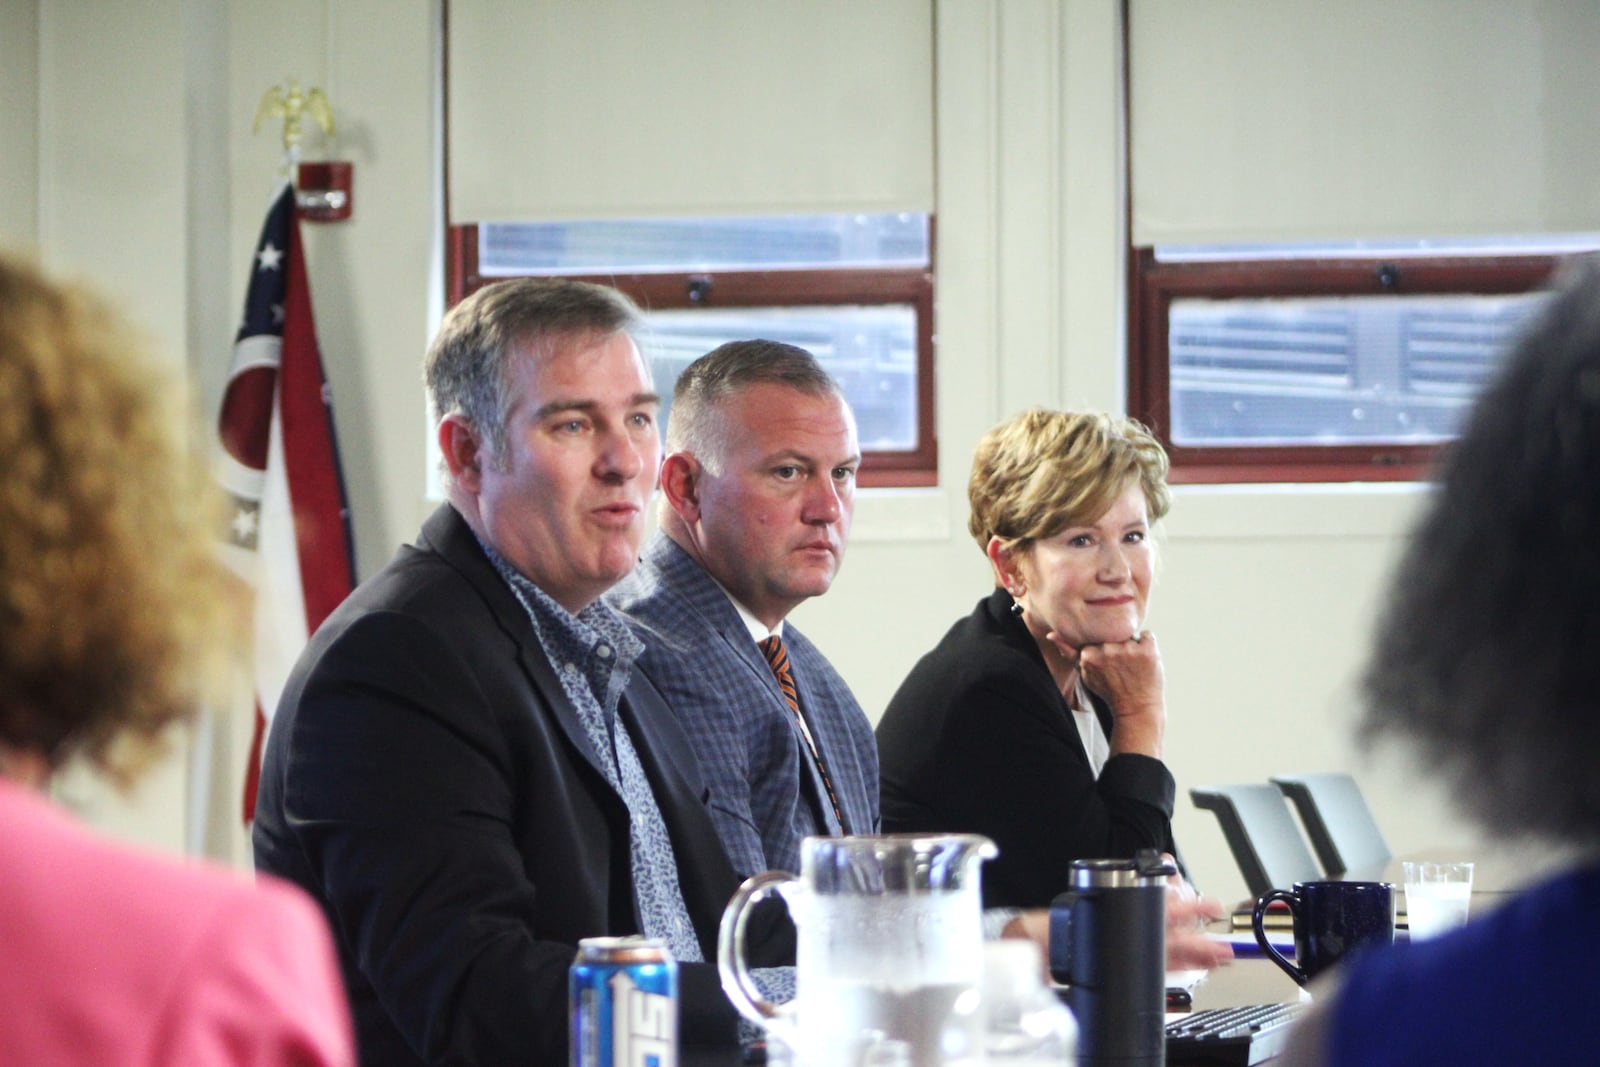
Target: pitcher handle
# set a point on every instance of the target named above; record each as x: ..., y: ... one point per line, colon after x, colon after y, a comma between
x: 1258, y: 922
x: 737, y: 981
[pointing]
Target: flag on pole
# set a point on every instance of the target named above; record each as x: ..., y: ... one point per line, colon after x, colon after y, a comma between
x: 289, y: 532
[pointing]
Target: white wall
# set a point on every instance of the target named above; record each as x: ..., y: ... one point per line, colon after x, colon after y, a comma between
x: 109, y: 205
x: 130, y: 160
x: 1265, y: 594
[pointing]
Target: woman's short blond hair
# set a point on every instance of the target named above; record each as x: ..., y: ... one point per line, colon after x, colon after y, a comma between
x: 1041, y: 471
x: 115, y: 613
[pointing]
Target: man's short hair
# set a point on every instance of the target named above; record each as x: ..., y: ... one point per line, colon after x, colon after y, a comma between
x: 467, y: 368
x: 726, y: 371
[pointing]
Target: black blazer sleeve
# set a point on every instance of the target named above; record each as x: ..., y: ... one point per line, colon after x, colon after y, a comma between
x: 402, y: 800
x: 461, y: 845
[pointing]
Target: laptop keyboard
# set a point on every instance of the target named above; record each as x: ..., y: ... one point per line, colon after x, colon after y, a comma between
x: 1235, y: 1037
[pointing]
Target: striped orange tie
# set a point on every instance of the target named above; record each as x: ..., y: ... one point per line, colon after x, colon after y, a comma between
x: 778, y: 659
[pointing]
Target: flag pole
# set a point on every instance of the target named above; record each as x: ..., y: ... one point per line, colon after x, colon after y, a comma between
x: 289, y: 530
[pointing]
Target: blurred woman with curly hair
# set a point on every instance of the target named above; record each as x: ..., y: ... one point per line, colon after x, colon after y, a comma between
x: 116, y: 620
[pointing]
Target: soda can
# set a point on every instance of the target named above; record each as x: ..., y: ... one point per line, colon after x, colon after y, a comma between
x: 623, y: 994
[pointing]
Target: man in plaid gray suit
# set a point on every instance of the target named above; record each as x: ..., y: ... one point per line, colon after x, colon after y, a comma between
x: 757, y: 492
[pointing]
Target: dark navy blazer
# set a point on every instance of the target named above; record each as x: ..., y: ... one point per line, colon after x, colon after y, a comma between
x: 427, y: 781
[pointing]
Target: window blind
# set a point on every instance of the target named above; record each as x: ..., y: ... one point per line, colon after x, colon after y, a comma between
x: 1292, y: 120
x: 612, y: 108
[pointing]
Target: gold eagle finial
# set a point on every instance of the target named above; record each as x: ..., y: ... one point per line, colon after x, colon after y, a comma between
x: 292, y: 106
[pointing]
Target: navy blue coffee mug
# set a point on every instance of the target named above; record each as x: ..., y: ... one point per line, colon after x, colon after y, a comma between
x: 1331, y: 920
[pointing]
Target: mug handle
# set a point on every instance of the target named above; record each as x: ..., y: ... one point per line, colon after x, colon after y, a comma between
x: 1258, y: 923
x: 737, y: 981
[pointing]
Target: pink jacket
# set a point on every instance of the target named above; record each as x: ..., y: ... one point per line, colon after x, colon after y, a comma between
x: 112, y: 955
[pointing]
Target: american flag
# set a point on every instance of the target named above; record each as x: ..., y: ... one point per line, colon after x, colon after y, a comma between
x: 289, y: 529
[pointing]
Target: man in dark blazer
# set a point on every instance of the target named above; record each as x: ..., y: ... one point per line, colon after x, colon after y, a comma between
x: 465, y: 770
x: 758, y: 489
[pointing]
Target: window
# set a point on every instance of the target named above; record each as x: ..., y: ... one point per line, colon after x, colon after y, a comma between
x: 1322, y: 363
x: 855, y: 290
x: 1284, y: 323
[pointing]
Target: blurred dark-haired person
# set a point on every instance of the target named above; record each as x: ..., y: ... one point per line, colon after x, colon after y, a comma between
x: 1486, y: 661
x: 116, y: 621
x: 466, y: 769
x: 1039, y: 719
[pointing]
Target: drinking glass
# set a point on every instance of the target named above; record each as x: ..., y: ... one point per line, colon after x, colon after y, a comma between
x: 1437, y: 895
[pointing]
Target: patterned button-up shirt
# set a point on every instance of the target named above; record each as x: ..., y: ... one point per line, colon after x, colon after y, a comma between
x: 593, y: 653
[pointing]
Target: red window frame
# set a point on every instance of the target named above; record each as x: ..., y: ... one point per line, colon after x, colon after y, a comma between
x: 1154, y: 284
x: 775, y: 288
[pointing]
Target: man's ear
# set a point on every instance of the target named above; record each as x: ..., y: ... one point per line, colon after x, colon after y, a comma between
x: 680, y: 485
x: 463, y: 453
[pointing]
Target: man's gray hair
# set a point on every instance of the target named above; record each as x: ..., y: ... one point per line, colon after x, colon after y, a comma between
x: 468, y: 365
x: 725, y: 371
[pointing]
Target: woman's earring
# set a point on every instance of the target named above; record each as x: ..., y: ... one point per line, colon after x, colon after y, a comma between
x: 1016, y: 600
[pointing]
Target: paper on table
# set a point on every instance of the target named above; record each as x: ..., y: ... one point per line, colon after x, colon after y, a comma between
x: 1277, y: 915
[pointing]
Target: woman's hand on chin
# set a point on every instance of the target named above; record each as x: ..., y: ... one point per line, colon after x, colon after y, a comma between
x: 1129, y: 676
x: 1125, y: 672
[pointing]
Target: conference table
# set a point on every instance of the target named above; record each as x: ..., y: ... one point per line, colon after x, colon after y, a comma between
x: 1251, y: 978
x: 1255, y: 979
x: 1247, y: 980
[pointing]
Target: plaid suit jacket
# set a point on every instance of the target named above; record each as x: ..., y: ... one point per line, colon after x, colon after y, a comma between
x: 765, y: 792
